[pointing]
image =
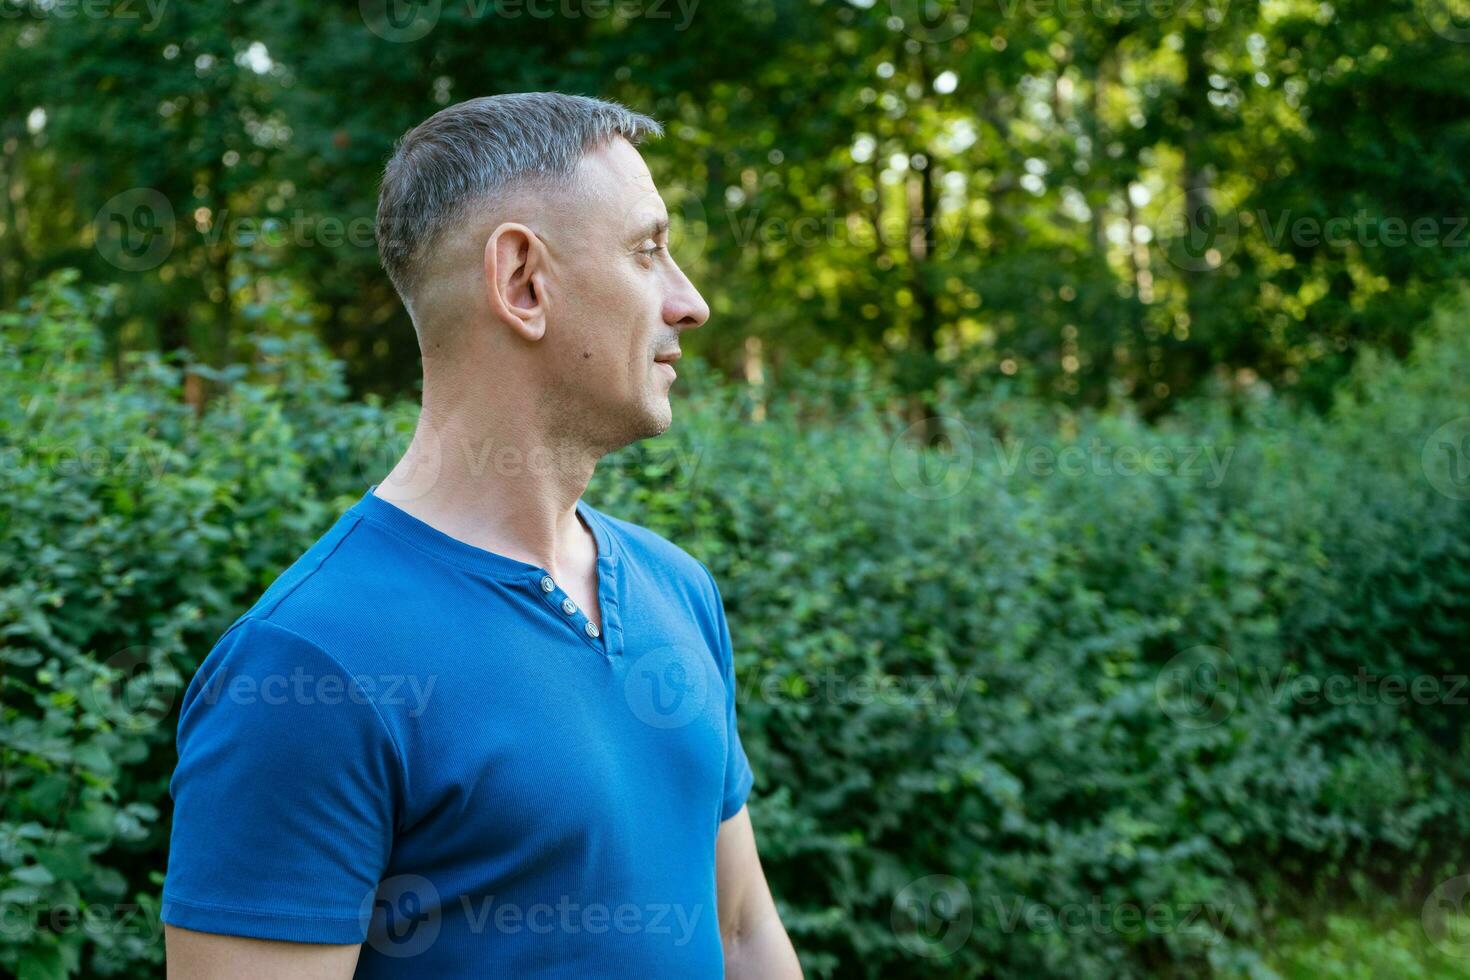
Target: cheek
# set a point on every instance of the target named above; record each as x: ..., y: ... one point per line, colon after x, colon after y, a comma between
x: 625, y: 313
x: 611, y: 319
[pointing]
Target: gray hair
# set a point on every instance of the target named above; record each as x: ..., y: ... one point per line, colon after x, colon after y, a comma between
x: 466, y: 154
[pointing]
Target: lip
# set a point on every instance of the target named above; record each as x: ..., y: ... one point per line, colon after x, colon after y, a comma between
x: 667, y: 360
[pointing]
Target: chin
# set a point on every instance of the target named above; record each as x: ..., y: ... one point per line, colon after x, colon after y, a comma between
x: 655, y: 414
x: 657, y: 421
x: 647, y: 420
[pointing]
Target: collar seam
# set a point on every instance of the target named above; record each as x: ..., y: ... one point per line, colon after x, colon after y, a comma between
x: 502, y: 574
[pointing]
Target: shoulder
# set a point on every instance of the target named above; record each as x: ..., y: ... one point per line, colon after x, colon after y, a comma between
x: 264, y: 689
x: 642, y: 545
x: 356, y: 586
x: 677, y: 571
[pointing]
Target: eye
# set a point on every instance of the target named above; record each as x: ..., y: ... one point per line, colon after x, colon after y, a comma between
x: 651, y: 250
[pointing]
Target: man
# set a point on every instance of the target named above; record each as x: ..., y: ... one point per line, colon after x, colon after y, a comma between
x: 481, y: 729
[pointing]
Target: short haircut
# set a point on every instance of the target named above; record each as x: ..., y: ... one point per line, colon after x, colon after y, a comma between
x: 465, y: 155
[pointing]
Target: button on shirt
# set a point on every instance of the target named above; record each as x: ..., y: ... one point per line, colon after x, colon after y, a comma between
x: 419, y: 745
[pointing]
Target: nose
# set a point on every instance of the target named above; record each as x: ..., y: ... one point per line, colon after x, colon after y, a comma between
x: 684, y: 308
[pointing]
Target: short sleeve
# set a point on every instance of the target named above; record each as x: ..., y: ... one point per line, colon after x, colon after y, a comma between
x: 284, y: 795
x: 738, y: 775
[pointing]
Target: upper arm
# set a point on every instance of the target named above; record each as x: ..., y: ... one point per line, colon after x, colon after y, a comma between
x: 742, y: 896
x: 284, y: 796
x: 739, y: 777
x: 204, y: 956
x: 754, y: 940
x: 755, y: 943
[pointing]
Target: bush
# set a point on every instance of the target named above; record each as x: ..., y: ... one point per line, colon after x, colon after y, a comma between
x: 1363, y: 944
x: 1014, y: 707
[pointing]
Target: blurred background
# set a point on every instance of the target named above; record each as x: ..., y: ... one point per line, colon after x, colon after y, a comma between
x: 1081, y: 439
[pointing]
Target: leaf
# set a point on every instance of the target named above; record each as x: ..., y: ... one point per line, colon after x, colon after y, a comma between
x: 33, y: 874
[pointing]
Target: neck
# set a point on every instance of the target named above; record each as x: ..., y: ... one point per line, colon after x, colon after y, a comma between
x: 491, y: 471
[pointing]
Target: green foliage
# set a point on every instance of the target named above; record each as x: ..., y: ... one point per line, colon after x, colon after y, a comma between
x: 131, y: 531
x: 1365, y: 946
x: 1015, y: 707
x: 1093, y: 197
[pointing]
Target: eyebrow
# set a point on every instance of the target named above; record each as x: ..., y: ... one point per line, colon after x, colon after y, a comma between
x: 653, y: 230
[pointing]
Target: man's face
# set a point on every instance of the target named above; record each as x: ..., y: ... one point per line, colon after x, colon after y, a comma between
x: 617, y: 302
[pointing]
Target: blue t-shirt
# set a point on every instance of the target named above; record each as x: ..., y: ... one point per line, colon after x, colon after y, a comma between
x: 427, y: 747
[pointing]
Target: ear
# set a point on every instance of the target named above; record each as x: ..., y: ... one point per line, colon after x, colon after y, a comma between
x: 515, y: 279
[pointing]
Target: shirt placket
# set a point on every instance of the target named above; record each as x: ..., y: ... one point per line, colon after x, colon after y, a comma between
x: 606, y: 640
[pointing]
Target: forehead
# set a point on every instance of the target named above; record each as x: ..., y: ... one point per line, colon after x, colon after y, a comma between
x: 617, y: 183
